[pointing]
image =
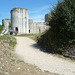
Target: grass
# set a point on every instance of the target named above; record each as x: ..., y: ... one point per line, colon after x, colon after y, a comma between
x: 8, y: 39
x: 32, y: 36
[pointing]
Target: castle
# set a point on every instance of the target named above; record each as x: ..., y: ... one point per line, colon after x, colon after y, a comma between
x: 21, y: 24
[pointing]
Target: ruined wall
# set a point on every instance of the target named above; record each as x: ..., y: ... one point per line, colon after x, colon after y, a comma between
x: 23, y: 25
x: 19, y: 20
x: 47, y: 17
x: 37, y: 27
x: 31, y: 28
x: 6, y: 25
x: 40, y: 27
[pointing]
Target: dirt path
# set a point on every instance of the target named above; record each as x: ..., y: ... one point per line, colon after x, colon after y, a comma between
x: 29, y: 51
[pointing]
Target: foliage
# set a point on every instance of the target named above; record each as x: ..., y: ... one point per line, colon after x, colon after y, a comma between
x: 62, y: 23
x: 1, y: 28
x: 32, y: 36
x: 2, y: 23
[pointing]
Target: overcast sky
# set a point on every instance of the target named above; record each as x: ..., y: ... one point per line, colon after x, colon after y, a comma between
x: 36, y: 8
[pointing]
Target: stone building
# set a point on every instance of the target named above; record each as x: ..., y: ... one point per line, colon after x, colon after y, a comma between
x: 31, y: 27
x: 47, y: 17
x: 19, y: 20
x: 22, y: 25
x: 37, y: 27
x: 6, y: 23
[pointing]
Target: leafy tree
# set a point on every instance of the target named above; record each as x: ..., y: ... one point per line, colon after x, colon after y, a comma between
x: 62, y: 27
x: 2, y: 23
x: 1, y: 28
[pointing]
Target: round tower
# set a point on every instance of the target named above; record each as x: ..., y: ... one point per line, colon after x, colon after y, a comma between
x: 19, y: 20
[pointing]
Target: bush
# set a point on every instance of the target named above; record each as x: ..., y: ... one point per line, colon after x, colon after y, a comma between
x: 62, y: 27
x: 1, y: 28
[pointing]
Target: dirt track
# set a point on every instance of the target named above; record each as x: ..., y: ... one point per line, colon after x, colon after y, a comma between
x: 29, y: 51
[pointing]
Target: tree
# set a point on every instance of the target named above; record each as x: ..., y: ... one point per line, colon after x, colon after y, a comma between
x: 2, y: 23
x: 62, y: 27
x: 63, y: 22
x: 1, y: 28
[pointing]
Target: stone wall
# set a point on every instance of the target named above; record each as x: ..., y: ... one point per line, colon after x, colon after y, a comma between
x: 19, y: 20
x: 47, y: 17
x: 37, y: 27
x: 21, y: 24
x: 6, y: 25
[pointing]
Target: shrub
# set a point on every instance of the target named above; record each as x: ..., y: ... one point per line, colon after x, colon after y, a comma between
x: 1, y: 28
x: 62, y: 27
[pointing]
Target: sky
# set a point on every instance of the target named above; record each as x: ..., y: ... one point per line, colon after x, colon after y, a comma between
x: 36, y: 8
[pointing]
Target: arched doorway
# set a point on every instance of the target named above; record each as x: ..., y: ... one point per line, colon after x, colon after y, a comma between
x: 16, y: 29
x: 29, y: 30
x: 39, y: 30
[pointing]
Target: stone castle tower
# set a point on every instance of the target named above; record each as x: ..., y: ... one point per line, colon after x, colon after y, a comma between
x: 19, y: 20
x: 21, y: 24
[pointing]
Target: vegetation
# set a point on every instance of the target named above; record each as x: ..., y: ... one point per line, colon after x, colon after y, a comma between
x: 7, y: 39
x: 1, y: 28
x: 62, y: 28
x: 2, y: 23
x: 32, y: 36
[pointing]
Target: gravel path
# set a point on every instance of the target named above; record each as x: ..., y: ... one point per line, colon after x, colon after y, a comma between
x: 29, y: 51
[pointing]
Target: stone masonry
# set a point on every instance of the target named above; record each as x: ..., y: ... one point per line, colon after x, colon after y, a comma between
x: 22, y: 24
x: 6, y: 25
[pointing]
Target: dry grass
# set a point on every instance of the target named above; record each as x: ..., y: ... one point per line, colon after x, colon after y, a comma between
x: 10, y: 64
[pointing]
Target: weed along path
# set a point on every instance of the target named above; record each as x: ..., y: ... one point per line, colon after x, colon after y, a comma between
x: 29, y: 51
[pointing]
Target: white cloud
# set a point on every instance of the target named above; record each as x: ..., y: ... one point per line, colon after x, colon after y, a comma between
x: 37, y: 10
x: 38, y: 14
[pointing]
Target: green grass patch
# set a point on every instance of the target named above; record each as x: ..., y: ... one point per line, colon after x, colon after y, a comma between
x: 32, y: 36
x: 8, y: 39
